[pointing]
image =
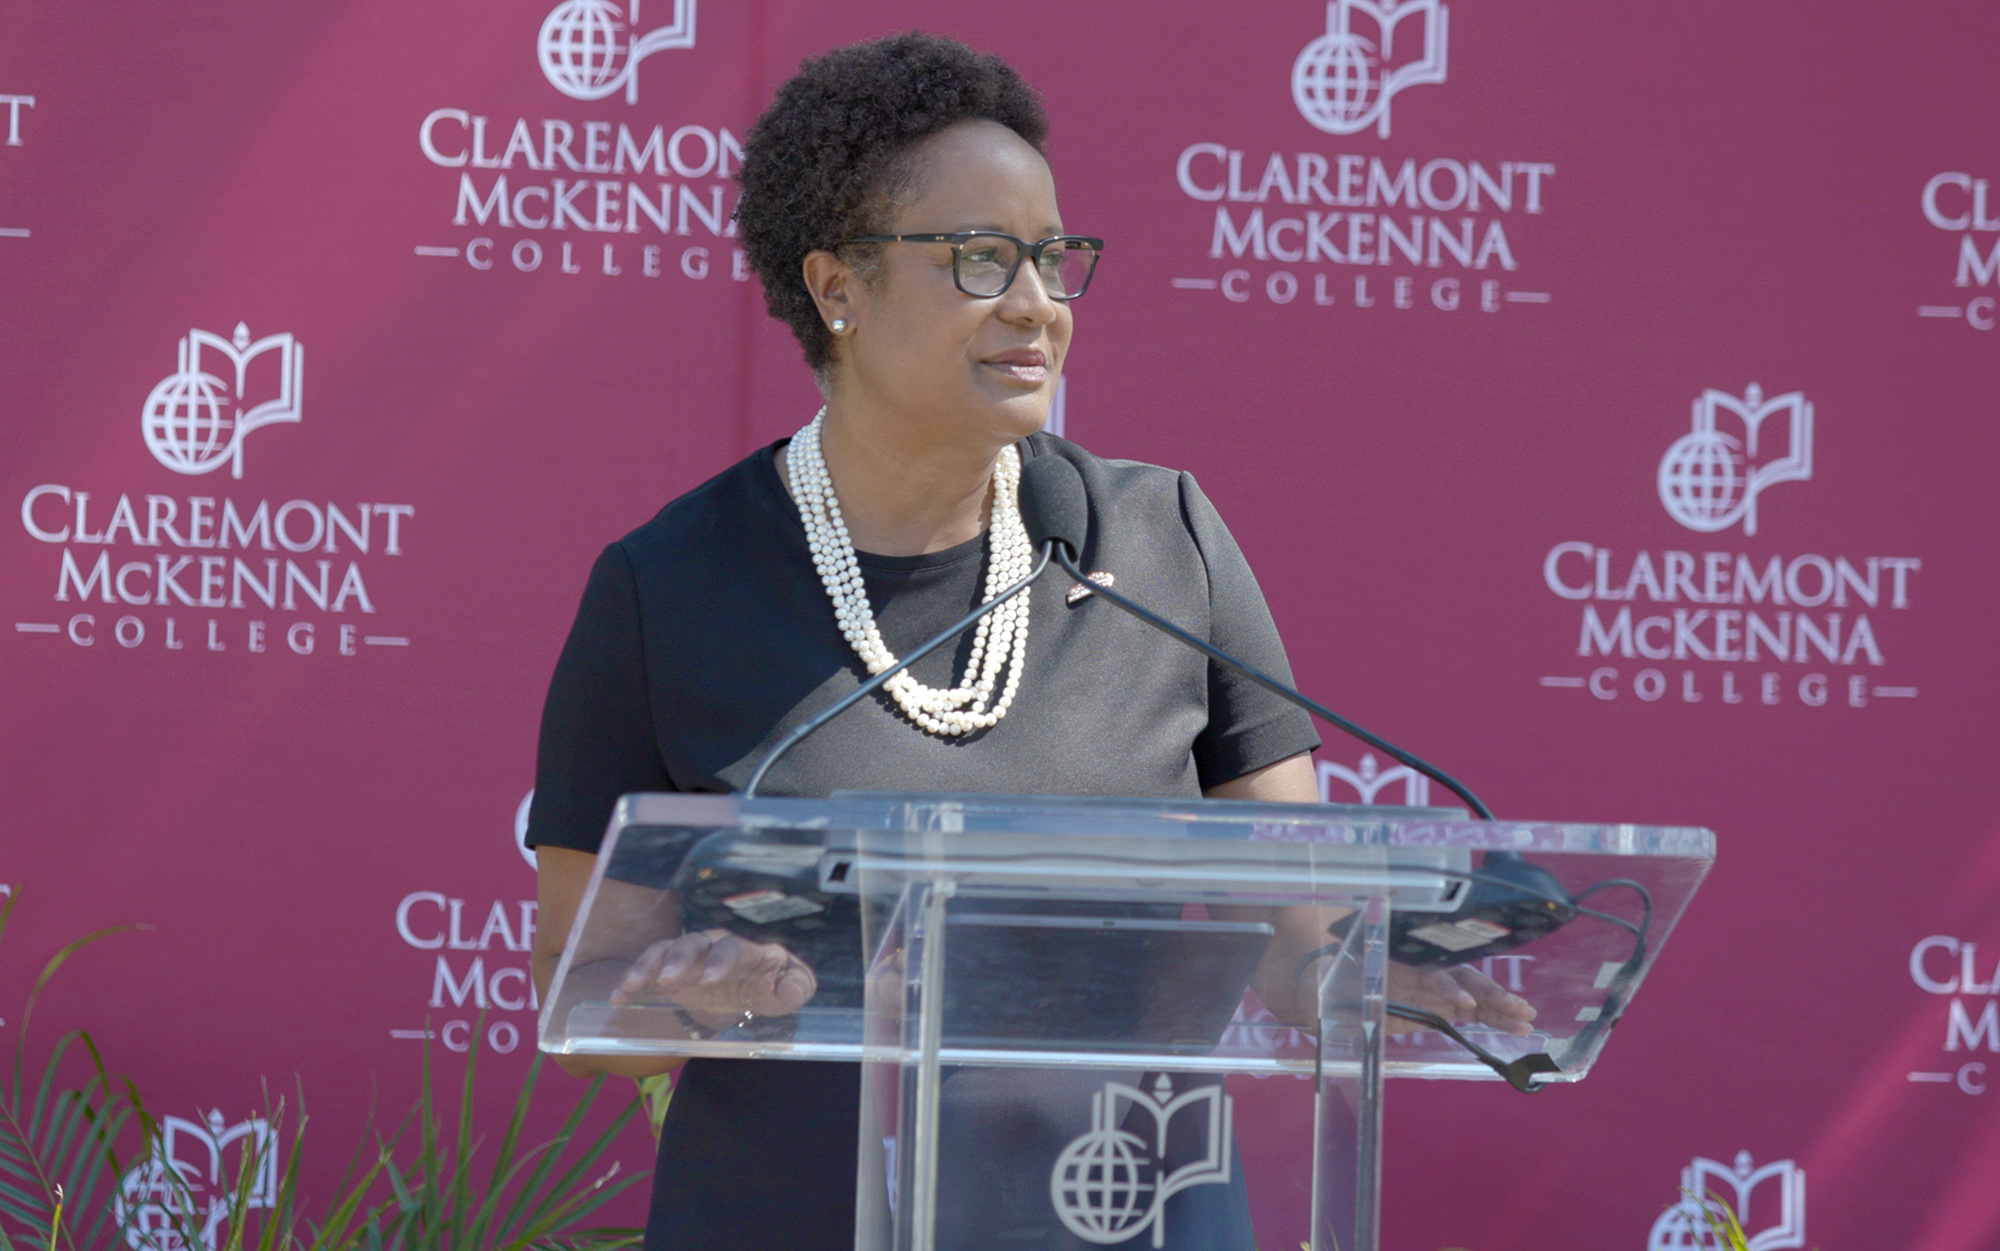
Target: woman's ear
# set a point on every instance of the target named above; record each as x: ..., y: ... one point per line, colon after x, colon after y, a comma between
x: 833, y: 285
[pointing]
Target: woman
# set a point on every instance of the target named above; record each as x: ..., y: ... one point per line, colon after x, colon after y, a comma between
x: 899, y: 212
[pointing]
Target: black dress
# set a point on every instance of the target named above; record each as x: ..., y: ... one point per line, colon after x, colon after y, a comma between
x: 705, y: 635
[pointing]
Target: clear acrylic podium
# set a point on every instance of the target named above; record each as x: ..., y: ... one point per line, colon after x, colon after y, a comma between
x: 1049, y: 996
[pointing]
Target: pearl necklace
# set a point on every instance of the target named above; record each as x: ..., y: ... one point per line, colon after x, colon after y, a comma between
x: 1001, y: 642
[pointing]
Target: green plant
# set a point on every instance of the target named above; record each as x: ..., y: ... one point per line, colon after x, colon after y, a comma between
x: 440, y: 1199
x: 525, y: 1204
x: 1719, y: 1216
x: 417, y: 1188
x: 58, y: 1146
x: 1722, y: 1223
x: 1721, y: 1220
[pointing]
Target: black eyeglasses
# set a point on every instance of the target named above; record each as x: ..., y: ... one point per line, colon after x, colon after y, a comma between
x: 984, y: 262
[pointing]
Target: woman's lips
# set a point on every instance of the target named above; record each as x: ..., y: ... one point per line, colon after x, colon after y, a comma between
x: 1025, y: 365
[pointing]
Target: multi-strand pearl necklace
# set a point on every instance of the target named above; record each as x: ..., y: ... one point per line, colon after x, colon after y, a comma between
x: 1001, y: 642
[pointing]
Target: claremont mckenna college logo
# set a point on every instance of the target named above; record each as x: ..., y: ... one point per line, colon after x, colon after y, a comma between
x: 1371, y: 779
x: 1748, y: 626
x: 210, y: 570
x: 186, y: 1182
x: 1110, y: 1185
x: 1768, y: 1202
x: 1710, y: 479
x: 194, y: 420
x: 1323, y: 228
x: 1343, y: 81
x: 585, y: 53
x: 519, y: 194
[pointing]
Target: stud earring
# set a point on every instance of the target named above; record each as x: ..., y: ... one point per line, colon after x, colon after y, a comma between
x: 839, y: 325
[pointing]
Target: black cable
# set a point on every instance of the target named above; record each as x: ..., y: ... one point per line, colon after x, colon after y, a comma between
x: 875, y: 683
x: 1278, y: 688
x: 1621, y: 981
x: 1550, y: 918
x: 1638, y: 932
x: 1520, y: 1074
x: 1645, y: 900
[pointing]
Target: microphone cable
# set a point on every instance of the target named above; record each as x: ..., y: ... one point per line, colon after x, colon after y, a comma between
x: 875, y: 683
x: 1274, y: 686
x: 1521, y: 1073
x: 1061, y: 513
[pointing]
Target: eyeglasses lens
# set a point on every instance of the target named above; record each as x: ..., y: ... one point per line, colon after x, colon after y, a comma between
x: 1066, y: 268
x: 985, y: 261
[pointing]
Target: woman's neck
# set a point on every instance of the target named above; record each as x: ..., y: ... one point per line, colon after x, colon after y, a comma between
x: 902, y: 496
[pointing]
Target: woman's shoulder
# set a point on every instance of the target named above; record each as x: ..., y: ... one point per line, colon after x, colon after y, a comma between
x: 729, y: 512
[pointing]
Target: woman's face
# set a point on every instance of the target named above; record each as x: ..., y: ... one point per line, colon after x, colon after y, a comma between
x: 978, y: 372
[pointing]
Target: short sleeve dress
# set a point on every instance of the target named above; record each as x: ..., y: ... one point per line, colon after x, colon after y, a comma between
x: 705, y: 636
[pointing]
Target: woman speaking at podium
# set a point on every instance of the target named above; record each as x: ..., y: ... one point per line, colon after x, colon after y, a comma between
x: 903, y: 220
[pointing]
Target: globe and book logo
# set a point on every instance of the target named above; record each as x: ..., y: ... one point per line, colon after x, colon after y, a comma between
x: 1369, y: 779
x: 186, y: 1182
x: 1343, y: 81
x: 1111, y: 1185
x: 1768, y: 1202
x: 194, y: 421
x: 1710, y: 479
x: 586, y: 53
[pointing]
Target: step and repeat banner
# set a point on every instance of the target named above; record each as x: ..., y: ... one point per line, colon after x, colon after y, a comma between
x: 1605, y: 396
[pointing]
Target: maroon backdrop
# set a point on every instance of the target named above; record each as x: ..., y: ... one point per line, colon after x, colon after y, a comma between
x: 1602, y: 393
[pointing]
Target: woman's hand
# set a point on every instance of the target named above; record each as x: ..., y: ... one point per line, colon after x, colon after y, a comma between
x: 718, y: 978
x: 885, y: 996
x: 1460, y: 995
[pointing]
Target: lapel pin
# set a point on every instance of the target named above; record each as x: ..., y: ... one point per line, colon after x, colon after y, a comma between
x: 1079, y: 590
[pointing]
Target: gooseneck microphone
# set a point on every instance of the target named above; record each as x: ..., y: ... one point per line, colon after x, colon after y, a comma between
x: 1062, y: 515
x: 1515, y: 900
x: 1509, y: 901
x: 1054, y: 508
x: 1032, y: 508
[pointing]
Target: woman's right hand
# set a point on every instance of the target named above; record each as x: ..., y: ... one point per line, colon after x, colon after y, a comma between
x: 718, y: 978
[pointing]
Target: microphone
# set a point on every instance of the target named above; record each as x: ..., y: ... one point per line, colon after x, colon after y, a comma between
x: 1508, y: 903
x: 1051, y: 520
x: 1053, y: 505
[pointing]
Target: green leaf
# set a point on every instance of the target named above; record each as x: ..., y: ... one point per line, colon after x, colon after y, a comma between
x: 533, y: 1204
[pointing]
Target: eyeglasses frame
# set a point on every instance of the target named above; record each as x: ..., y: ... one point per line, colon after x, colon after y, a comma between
x: 959, y: 238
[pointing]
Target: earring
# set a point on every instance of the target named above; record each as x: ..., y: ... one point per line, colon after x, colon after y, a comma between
x: 839, y: 325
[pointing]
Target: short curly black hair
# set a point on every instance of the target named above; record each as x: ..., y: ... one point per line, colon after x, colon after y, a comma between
x: 827, y: 160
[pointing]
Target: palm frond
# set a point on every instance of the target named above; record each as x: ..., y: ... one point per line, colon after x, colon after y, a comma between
x: 56, y: 1140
